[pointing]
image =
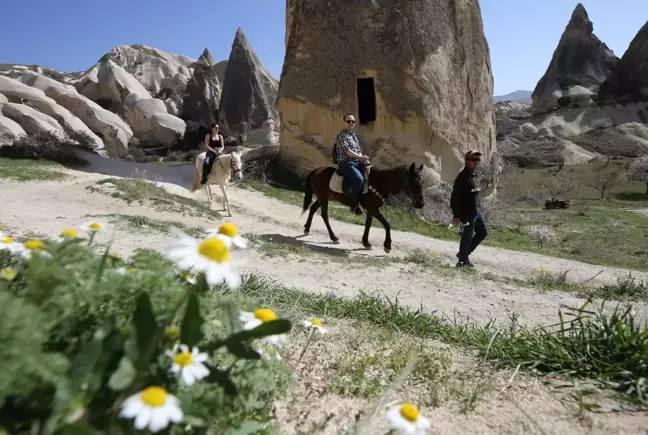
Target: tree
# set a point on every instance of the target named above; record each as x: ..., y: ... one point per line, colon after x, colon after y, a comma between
x: 603, y: 181
x: 560, y: 187
x: 638, y: 171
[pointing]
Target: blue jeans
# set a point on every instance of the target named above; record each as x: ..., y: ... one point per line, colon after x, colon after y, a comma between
x: 476, y: 225
x: 351, y: 171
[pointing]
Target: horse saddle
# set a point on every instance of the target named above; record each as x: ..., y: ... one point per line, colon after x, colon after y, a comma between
x: 339, y: 183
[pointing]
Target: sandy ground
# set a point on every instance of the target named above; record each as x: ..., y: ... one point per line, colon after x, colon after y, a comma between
x: 48, y: 207
x: 508, y: 404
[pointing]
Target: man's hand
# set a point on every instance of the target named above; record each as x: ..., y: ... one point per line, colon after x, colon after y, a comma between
x: 364, y: 158
x: 455, y: 220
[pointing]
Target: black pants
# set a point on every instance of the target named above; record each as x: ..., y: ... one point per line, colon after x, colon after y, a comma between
x: 474, y: 232
x: 210, y: 158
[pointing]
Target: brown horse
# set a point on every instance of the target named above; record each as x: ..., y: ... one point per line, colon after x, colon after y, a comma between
x: 382, y: 183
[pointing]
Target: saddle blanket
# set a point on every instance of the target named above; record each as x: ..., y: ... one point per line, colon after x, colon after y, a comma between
x: 336, y: 183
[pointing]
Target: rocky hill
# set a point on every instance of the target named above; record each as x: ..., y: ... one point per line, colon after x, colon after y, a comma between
x: 588, y: 104
x: 519, y: 96
x: 133, y: 92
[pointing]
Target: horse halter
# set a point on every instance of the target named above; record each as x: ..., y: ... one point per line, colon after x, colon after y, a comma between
x: 408, y: 179
x: 232, y: 168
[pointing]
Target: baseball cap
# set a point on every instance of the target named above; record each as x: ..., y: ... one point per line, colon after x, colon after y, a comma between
x: 472, y: 153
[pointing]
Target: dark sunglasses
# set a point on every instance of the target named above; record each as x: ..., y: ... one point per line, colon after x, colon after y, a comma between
x: 474, y: 159
x: 215, y: 128
x: 350, y: 121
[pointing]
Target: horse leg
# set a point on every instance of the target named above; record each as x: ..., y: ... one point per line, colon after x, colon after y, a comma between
x: 226, y: 205
x: 324, y: 206
x: 385, y: 224
x: 311, y: 213
x: 365, y: 236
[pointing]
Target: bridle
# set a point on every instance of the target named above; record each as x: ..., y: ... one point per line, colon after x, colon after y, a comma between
x: 232, y: 168
x: 408, y: 192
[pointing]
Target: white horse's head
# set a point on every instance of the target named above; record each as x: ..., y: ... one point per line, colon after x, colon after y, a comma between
x: 236, y: 165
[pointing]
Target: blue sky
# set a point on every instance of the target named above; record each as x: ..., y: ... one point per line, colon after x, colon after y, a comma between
x: 72, y: 35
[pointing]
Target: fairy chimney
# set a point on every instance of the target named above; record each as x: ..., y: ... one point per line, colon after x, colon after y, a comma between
x: 416, y: 73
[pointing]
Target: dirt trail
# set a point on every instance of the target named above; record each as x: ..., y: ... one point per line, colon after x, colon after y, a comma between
x: 47, y: 207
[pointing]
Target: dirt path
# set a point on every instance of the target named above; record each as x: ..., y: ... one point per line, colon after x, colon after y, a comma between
x: 46, y: 208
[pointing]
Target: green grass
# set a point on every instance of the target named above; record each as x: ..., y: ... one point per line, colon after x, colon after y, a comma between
x: 611, y: 347
x: 145, y: 192
x: 144, y: 223
x: 30, y: 170
x: 602, y: 234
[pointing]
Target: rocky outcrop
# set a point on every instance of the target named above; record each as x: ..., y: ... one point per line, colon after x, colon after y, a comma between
x: 115, y: 132
x: 579, y: 65
x: 149, y: 65
x: 9, y: 129
x: 425, y: 79
x: 109, y: 84
x: 628, y: 82
x: 221, y: 68
x: 31, y: 120
x: 249, y: 92
x: 172, y: 93
x: 202, y: 93
x: 150, y: 121
x: 73, y: 126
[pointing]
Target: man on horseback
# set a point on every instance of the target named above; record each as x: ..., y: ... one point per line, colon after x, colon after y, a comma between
x: 351, y: 160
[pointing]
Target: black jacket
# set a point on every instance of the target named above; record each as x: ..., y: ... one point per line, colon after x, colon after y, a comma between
x: 464, y: 200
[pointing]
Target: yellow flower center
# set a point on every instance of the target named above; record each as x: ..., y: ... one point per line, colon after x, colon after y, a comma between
x: 215, y: 250
x: 6, y: 240
x: 114, y: 256
x: 69, y: 232
x: 409, y: 412
x: 184, y: 358
x: 317, y: 322
x: 228, y: 230
x: 265, y: 315
x: 8, y: 274
x: 34, y: 245
x: 154, y: 396
x: 95, y: 226
x: 172, y: 332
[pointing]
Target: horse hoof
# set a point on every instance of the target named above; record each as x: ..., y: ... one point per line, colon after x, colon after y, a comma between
x: 306, y: 232
x: 387, y: 250
x: 335, y: 242
x: 368, y: 247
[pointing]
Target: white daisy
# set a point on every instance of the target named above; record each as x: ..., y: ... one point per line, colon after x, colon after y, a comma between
x: 269, y: 353
x: 187, y: 276
x: 8, y: 274
x: 153, y: 407
x: 122, y: 270
x: 406, y: 419
x: 66, y: 234
x: 315, y: 324
x: 229, y: 234
x: 34, y: 247
x: 262, y: 315
x: 7, y: 242
x: 188, y: 364
x: 92, y: 227
x: 210, y: 256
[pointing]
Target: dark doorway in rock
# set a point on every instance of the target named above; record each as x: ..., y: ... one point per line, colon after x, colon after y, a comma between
x: 366, y: 92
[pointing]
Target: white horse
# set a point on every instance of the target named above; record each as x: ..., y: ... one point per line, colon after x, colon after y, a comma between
x: 222, y: 171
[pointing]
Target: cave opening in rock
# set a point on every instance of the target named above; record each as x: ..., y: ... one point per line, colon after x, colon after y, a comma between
x: 366, y: 93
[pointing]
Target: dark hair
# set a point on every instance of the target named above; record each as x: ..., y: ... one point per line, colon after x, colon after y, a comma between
x: 345, y: 115
x: 214, y: 125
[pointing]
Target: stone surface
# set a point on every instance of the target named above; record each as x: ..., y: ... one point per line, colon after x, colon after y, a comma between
x: 221, y: 68
x: 172, y: 93
x: 115, y: 132
x: 31, y: 120
x: 579, y: 65
x: 109, y: 84
x: 17, y: 91
x: 150, y: 121
x: 431, y: 66
x: 628, y: 82
x: 249, y: 93
x: 203, y: 92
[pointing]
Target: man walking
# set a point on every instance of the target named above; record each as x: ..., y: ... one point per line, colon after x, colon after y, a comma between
x: 466, y: 208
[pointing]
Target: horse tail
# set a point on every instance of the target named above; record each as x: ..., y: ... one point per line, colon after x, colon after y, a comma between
x: 308, y: 194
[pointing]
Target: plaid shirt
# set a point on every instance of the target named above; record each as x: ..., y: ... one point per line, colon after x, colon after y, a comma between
x: 347, y: 140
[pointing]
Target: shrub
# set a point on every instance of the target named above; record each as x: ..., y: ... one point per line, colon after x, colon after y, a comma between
x: 540, y: 234
x: 560, y: 187
x: 81, y: 333
x: 59, y: 148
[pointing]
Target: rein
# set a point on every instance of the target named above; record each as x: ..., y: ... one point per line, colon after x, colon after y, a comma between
x: 229, y: 174
x: 383, y: 198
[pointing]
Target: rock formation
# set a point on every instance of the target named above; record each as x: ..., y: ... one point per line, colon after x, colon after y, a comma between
x: 31, y: 120
x: 202, y: 93
x: 18, y: 92
x: 579, y: 65
x: 9, y: 129
x: 115, y: 132
x: 149, y: 65
x: 150, y: 121
x: 415, y: 73
x: 628, y: 82
x: 249, y: 92
x: 221, y: 69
